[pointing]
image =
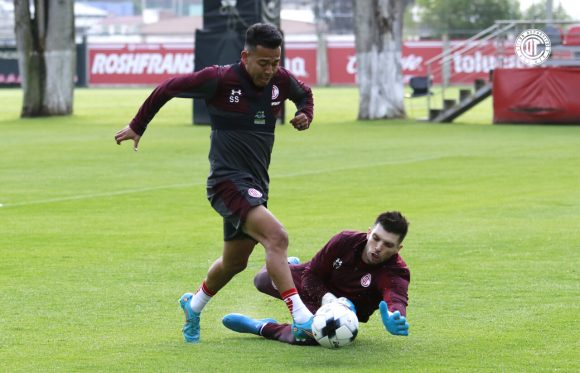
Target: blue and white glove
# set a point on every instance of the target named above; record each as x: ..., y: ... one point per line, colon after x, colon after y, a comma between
x: 393, y: 321
x: 346, y: 302
x: 329, y: 298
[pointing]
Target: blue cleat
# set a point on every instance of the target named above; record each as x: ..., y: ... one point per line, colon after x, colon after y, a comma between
x: 190, y: 329
x: 244, y: 324
x: 293, y: 260
x: 302, y: 332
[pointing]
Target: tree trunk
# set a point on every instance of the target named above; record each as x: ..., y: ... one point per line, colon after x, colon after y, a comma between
x: 46, y: 50
x: 30, y: 63
x: 321, y: 44
x: 321, y: 56
x: 379, y: 33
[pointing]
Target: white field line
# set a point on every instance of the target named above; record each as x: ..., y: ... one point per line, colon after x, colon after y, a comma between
x: 188, y: 185
x: 96, y: 195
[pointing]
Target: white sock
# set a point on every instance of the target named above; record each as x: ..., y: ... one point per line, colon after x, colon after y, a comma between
x: 299, y: 312
x: 201, y: 298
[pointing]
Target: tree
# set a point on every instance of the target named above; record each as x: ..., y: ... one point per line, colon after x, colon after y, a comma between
x: 319, y: 8
x: 464, y: 18
x: 379, y: 33
x: 538, y: 11
x: 46, y: 55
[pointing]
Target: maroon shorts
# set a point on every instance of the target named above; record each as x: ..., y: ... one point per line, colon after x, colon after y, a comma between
x: 233, y: 201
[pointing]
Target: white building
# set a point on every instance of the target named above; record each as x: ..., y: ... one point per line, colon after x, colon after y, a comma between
x: 85, y: 17
x: 7, y: 24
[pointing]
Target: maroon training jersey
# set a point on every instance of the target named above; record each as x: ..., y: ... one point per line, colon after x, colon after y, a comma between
x: 243, y: 117
x: 339, y: 269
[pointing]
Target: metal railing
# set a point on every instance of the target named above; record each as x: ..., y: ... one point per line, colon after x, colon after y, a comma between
x: 497, y: 35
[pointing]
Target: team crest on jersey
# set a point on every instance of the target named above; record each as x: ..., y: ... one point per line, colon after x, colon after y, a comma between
x: 254, y: 193
x: 275, y: 92
x: 337, y: 263
x: 235, y: 96
x: 365, y: 281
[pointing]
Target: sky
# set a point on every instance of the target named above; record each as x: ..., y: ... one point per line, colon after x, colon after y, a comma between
x: 571, y: 6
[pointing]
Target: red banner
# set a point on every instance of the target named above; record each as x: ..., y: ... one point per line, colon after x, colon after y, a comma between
x: 300, y: 59
x: 149, y: 64
x: 139, y: 64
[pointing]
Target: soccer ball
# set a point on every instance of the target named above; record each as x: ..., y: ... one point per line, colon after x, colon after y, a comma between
x: 334, y: 325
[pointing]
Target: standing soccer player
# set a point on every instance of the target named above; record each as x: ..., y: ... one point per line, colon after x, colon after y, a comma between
x: 243, y: 100
x: 364, y: 269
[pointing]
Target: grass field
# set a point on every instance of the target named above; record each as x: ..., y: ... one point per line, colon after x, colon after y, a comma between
x: 98, y: 242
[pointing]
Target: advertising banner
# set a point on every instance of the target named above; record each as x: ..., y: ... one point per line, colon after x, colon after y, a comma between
x: 300, y: 59
x: 149, y: 64
x: 138, y: 64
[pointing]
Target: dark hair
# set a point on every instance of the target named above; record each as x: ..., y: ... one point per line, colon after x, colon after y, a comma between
x: 394, y: 222
x: 263, y: 34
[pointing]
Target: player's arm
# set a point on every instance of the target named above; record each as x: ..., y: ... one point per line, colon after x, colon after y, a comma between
x: 393, y: 307
x: 202, y: 84
x: 301, y: 95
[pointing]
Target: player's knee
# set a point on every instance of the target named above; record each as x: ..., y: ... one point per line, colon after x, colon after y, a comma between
x: 278, y: 240
x: 235, y: 267
x: 239, y: 267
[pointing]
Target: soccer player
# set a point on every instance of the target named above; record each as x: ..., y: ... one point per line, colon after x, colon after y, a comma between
x: 243, y: 100
x: 364, y: 269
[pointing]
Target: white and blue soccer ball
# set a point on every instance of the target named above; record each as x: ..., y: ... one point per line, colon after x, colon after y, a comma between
x: 334, y: 325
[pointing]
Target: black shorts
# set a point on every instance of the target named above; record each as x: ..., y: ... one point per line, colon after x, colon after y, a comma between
x: 233, y: 201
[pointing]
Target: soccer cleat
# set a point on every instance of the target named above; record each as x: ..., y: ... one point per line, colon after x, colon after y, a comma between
x: 293, y: 260
x: 190, y: 329
x: 244, y: 324
x: 303, y: 331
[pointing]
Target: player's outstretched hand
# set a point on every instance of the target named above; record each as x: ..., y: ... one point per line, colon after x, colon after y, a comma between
x: 346, y: 302
x: 128, y: 134
x: 329, y: 298
x: 393, y: 321
x: 300, y: 122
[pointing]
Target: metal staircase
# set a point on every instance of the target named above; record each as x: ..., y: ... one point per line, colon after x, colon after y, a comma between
x: 467, y: 99
x: 498, y: 35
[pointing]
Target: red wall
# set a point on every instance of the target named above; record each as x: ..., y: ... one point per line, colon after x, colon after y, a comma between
x: 536, y: 95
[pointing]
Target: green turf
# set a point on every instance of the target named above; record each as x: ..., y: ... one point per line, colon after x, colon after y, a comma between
x: 98, y: 242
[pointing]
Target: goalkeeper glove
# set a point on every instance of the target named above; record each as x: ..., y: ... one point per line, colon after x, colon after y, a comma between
x: 393, y: 321
x: 329, y: 298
